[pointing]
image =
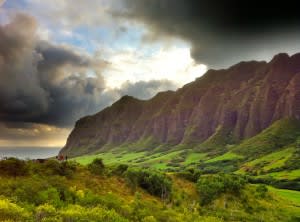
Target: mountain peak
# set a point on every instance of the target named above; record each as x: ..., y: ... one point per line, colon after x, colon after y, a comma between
x: 127, y: 99
x: 280, y: 58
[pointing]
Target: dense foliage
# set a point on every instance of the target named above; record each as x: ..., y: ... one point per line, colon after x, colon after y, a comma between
x: 13, y: 167
x: 154, y: 182
x: 96, y: 166
x: 68, y: 192
x: 210, y: 187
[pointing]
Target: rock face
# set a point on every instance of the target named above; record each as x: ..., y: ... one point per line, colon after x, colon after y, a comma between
x: 241, y: 101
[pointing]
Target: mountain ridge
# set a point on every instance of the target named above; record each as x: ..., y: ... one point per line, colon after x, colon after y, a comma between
x: 240, y: 101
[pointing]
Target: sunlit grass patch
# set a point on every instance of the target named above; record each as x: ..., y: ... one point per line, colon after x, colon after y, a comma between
x: 226, y: 156
x: 291, y: 195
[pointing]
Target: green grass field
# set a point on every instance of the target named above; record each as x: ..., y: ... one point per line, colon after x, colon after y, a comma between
x: 160, y: 166
x: 175, y: 159
x: 160, y: 160
x: 270, y: 161
x: 162, y: 157
x: 110, y: 158
x: 226, y: 156
x: 157, y: 160
x: 289, y: 175
x: 291, y: 195
x: 194, y: 158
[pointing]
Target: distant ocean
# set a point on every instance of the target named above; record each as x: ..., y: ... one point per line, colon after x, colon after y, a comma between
x: 28, y: 152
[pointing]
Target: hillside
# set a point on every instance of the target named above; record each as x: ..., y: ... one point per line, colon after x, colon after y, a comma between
x: 282, y: 133
x: 270, y: 157
x: 222, y: 107
x: 65, y: 191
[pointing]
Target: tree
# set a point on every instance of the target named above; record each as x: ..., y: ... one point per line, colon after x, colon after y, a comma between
x: 156, y: 183
x: 211, y: 187
x: 96, y: 167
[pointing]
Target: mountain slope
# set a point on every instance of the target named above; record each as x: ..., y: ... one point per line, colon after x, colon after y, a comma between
x: 223, y: 106
x: 275, y: 149
x: 282, y: 133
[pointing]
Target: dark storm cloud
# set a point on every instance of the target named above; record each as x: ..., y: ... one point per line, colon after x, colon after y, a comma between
x: 53, y: 84
x: 54, y: 56
x: 20, y: 91
x: 220, y: 31
x: 44, y: 83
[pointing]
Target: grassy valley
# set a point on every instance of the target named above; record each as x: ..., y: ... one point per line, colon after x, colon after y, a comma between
x: 275, y: 152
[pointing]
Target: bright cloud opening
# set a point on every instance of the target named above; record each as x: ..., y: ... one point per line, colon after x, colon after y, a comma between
x: 175, y: 64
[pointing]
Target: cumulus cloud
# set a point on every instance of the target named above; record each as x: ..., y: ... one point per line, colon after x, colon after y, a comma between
x: 46, y: 83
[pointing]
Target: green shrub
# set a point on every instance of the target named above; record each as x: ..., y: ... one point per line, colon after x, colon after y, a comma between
x: 68, y: 168
x: 96, y: 167
x: 77, y: 213
x: 26, y: 190
x: 149, y: 219
x: 298, y: 142
x: 11, y: 211
x: 156, y: 183
x: 45, y: 212
x: 261, y: 191
x: 13, y: 167
x: 38, y: 190
x: 120, y: 169
x: 88, y: 198
x: 50, y: 195
x: 53, y: 167
x: 211, y: 187
x: 190, y: 174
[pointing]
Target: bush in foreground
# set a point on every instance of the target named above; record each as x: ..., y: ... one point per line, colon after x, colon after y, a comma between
x: 156, y: 183
x: 13, y: 167
x: 53, y: 167
x: 12, y: 212
x: 79, y: 213
x: 97, y: 166
x: 210, y: 187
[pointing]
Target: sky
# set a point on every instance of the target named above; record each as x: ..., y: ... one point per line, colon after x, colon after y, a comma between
x: 61, y: 60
